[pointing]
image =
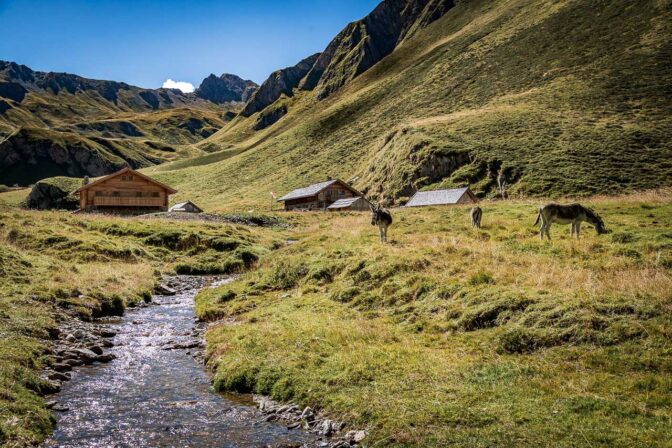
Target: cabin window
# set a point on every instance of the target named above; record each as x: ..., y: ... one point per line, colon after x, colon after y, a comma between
x: 155, y: 194
x: 99, y: 193
x: 138, y: 194
x: 116, y: 194
x: 341, y: 193
x: 126, y: 178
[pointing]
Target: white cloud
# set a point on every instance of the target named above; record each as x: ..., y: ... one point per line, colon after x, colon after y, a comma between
x: 186, y: 87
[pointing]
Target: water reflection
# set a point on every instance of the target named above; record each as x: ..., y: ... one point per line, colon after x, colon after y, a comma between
x: 155, y: 395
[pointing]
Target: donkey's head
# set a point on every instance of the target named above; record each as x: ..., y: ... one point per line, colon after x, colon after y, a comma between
x: 375, y: 214
x: 596, y: 221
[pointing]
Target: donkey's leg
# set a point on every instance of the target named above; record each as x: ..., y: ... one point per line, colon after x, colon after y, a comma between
x: 548, y: 231
x: 385, y: 232
x: 571, y: 230
x: 578, y: 229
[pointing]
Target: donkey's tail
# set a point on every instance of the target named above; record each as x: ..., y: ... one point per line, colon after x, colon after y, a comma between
x: 538, y: 217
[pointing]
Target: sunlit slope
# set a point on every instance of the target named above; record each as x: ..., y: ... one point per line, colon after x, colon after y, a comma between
x: 569, y: 97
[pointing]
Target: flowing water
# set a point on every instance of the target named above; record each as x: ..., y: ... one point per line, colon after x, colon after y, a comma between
x: 151, y: 396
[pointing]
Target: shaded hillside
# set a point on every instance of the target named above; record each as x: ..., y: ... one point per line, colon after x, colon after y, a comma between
x: 365, y: 42
x: 280, y: 82
x: 486, y: 87
x: 107, y: 124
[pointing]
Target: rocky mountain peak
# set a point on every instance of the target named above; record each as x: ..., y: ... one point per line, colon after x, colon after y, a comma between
x: 225, y: 88
x: 361, y: 44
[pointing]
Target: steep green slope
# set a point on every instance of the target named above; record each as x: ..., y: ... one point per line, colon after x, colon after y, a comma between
x: 569, y: 97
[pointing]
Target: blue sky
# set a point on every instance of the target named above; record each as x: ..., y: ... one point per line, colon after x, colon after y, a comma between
x: 146, y: 42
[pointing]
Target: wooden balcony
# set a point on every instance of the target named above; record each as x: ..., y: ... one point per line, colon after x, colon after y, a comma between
x: 116, y: 201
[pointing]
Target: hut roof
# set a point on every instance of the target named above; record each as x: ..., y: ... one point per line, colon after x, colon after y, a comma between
x: 344, y: 203
x: 437, y: 197
x: 182, y: 205
x: 312, y: 190
x: 127, y: 170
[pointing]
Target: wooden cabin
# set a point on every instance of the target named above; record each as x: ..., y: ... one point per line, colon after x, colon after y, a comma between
x: 442, y: 197
x: 126, y: 191
x: 318, y: 196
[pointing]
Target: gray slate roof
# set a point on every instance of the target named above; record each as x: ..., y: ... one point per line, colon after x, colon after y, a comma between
x: 436, y: 197
x: 344, y: 203
x: 310, y: 190
x: 182, y: 205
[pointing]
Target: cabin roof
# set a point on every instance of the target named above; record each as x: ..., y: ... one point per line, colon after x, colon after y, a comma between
x: 312, y: 190
x: 437, y: 197
x: 345, y: 203
x: 127, y: 170
x: 183, y: 205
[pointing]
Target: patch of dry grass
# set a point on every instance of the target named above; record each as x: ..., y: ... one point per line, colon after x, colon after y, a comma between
x: 453, y: 336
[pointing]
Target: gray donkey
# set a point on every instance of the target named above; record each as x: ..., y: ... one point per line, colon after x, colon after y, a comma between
x: 476, y: 215
x: 573, y: 214
x: 382, y: 218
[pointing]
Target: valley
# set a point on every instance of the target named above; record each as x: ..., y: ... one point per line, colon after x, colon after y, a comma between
x: 446, y: 335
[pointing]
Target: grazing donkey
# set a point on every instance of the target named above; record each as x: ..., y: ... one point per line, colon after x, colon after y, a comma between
x: 476, y: 215
x: 573, y: 214
x: 382, y: 218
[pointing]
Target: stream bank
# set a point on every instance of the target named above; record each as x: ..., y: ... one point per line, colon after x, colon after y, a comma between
x: 144, y: 384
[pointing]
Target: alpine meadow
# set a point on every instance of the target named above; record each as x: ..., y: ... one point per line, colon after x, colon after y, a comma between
x: 345, y: 254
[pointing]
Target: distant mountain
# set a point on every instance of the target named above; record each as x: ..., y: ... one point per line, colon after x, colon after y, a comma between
x: 64, y: 124
x: 226, y: 88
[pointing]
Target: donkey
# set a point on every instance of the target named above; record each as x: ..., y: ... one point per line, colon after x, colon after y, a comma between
x: 573, y: 214
x: 382, y: 218
x: 476, y: 215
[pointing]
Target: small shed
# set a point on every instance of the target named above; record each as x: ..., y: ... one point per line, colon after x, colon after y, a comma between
x: 318, y: 196
x: 442, y: 197
x: 350, y: 204
x: 126, y: 191
x: 186, y: 207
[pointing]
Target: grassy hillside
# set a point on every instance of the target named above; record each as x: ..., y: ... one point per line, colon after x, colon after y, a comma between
x: 450, y: 336
x: 114, y: 123
x: 54, y: 265
x: 568, y: 97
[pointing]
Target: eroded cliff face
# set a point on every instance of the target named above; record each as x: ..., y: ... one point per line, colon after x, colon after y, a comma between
x: 280, y: 82
x: 363, y: 43
x: 30, y: 155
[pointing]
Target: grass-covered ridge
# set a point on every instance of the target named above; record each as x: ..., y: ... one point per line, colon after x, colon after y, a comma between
x: 452, y: 336
x: 569, y: 97
x: 54, y: 264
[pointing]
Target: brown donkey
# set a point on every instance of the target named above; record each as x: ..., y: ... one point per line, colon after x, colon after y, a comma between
x: 382, y: 218
x: 573, y: 214
x: 476, y: 214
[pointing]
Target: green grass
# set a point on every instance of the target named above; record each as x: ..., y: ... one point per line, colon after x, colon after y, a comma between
x: 489, y: 85
x: 54, y: 263
x: 450, y: 336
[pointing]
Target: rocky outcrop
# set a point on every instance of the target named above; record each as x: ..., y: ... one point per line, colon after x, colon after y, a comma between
x: 363, y: 43
x: 280, y: 82
x: 13, y: 91
x: 55, y: 193
x: 226, y: 88
x: 269, y: 117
